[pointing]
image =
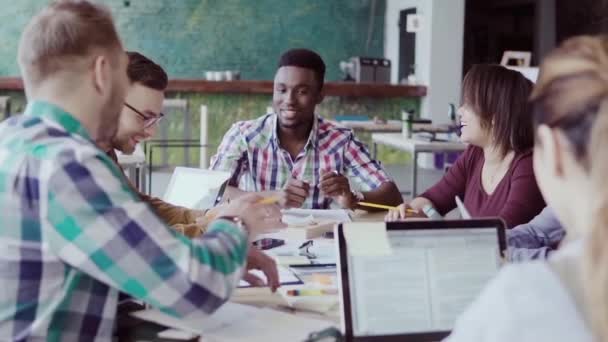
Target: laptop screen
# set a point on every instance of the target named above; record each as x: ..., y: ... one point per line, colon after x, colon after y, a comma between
x: 427, y: 281
x: 195, y: 188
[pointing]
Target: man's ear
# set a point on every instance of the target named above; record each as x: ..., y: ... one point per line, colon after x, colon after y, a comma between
x: 321, y: 96
x: 101, y: 74
x: 552, y: 149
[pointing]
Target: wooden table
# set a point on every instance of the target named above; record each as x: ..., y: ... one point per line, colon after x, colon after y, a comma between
x: 262, y: 297
x: 390, y: 126
x: 371, y: 125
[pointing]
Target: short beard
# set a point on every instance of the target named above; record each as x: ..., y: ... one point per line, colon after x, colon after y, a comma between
x: 110, y: 117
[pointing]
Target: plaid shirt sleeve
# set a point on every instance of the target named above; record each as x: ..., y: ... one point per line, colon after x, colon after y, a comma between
x: 366, y: 173
x: 97, y: 225
x: 231, y: 155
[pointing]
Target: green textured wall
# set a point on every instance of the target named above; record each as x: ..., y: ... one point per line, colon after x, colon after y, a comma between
x: 225, y: 109
x: 188, y: 37
x: 191, y: 36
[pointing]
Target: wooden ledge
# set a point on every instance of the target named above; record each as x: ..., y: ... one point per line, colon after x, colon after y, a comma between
x: 341, y: 89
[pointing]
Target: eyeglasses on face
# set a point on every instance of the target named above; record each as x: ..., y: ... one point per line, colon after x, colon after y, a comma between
x: 148, y: 120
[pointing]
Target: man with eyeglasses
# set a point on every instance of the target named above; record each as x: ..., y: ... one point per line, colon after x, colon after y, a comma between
x: 139, y: 119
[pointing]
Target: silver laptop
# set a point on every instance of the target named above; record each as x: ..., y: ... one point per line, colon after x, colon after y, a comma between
x: 416, y: 293
x: 196, y: 188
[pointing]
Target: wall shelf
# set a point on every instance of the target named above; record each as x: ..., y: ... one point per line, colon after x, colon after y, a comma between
x: 340, y: 89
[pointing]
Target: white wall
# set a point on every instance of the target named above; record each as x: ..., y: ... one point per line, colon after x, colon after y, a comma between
x: 439, y: 45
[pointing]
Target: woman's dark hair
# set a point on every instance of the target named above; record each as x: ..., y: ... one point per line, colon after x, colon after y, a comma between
x: 500, y: 97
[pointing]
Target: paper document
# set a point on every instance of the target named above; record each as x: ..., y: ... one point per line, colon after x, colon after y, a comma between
x: 235, y: 322
x: 464, y: 213
x: 307, y: 217
x: 324, y: 250
x: 367, y: 239
x: 444, y: 269
x: 227, y: 313
x: 286, y: 277
x: 176, y: 334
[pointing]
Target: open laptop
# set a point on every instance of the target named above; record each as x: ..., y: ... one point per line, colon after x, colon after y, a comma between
x: 196, y: 188
x: 416, y: 293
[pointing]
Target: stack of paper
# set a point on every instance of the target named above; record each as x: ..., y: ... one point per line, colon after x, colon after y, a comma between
x: 297, y: 216
x: 312, y: 223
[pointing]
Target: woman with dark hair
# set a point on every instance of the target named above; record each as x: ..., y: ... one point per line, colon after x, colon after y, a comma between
x: 494, y: 176
x: 566, y: 297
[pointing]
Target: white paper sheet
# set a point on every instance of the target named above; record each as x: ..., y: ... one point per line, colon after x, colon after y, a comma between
x: 235, y: 322
x: 428, y: 281
x: 305, y: 217
x: 367, y: 239
x: 464, y: 213
x: 286, y: 276
x: 288, y: 254
x: 223, y: 316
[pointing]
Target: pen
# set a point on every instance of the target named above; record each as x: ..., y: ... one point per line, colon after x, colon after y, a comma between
x: 386, y: 207
x: 312, y: 292
x: 313, y: 266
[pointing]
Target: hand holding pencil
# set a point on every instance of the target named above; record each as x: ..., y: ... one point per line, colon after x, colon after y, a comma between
x: 385, y: 207
x: 258, y: 213
x: 401, y: 212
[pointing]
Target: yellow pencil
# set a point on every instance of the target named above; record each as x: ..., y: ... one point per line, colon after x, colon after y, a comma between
x: 382, y: 206
x: 269, y: 200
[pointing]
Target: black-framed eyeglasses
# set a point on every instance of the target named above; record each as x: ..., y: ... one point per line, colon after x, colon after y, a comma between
x: 148, y: 120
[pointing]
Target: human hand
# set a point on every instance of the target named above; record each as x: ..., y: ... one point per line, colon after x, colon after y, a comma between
x: 258, y: 260
x: 399, y: 213
x: 337, y: 187
x: 294, y: 193
x: 211, y: 213
x: 257, y: 217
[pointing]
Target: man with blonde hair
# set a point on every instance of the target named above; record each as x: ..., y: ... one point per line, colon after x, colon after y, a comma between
x: 138, y: 122
x: 73, y: 234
